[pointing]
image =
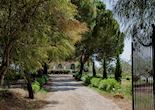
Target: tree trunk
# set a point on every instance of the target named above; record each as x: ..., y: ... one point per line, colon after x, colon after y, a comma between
x: 30, y: 91
x: 29, y: 86
x: 81, y: 68
x: 45, y: 71
x: 2, y: 74
x: 94, y: 70
x: 5, y: 62
x: 83, y: 60
x: 88, y: 65
x: 104, y: 69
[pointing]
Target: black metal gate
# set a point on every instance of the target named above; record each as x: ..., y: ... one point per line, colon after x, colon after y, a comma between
x: 143, y: 73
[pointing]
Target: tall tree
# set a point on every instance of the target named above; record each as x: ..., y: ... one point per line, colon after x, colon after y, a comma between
x: 136, y: 16
x: 118, y: 70
x: 110, y: 41
x: 102, y: 34
x: 27, y: 30
x: 87, y: 14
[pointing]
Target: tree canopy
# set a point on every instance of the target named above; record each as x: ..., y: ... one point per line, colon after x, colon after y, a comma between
x: 103, y: 32
x: 32, y: 31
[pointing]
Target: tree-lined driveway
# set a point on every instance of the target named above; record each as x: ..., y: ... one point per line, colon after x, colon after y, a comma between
x: 68, y: 94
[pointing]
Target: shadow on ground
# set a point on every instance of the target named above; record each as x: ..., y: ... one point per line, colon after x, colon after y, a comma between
x: 62, y: 83
x: 14, y: 101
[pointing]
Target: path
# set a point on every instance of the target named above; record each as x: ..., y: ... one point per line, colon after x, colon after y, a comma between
x: 67, y: 94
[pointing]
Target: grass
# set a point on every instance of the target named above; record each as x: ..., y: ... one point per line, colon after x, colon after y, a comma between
x: 126, y: 84
x: 121, y: 97
x: 124, y: 103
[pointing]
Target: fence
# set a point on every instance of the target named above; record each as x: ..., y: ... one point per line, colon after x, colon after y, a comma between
x: 143, y: 73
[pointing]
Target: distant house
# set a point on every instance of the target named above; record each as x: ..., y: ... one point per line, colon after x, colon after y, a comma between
x: 63, y: 66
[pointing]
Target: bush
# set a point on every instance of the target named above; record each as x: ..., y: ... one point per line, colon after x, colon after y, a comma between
x: 86, y: 79
x: 77, y: 76
x: 46, y: 78
x: 95, y: 81
x: 42, y: 80
x: 109, y: 85
x: 127, y: 78
x: 127, y: 90
x: 36, y: 86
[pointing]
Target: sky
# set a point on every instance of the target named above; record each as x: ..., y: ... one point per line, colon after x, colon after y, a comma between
x: 126, y: 55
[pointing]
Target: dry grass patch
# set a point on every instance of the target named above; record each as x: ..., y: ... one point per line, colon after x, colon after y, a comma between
x: 14, y: 99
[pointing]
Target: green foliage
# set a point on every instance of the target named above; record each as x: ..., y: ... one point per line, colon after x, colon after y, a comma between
x: 134, y: 14
x: 36, y: 86
x: 95, y: 81
x: 77, y: 76
x: 46, y: 78
x: 103, y: 34
x: 86, y: 79
x: 126, y: 67
x: 42, y: 80
x: 37, y: 31
x: 126, y: 90
x: 12, y: 76
x: 118, y: 71
x: 109, y: 85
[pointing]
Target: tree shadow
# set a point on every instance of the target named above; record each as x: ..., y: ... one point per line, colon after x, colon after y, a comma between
x: 61, y: 89
x: 62, y: 80
x: 14, y: 101
x: 68, y: 84
x: 61, y: 83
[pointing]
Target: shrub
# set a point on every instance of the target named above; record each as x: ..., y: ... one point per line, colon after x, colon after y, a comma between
x: 36, y: 86
x: 46, y: 78
x: 41, y: 81
x: 77, y: 76
x: 86, y: 79
x: 109, y: 85
x: 95, y: 81
x: 127, y: 78
x: 127, y: 89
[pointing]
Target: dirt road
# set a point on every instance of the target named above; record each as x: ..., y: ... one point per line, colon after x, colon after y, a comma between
x: 67, y: 94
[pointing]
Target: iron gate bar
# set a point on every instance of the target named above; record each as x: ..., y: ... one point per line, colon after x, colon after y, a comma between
x: 132, y: 75
x: 153, y: 52
x: 143, y: 72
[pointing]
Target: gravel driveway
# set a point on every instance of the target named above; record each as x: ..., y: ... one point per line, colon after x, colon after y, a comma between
x: 68, y: 94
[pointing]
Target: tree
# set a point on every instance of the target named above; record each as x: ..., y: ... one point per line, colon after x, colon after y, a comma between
x: 30, y: 30
x: 87, y: 14
x: 136, y: 16
x: 110, y: 41
x: 118, y: 70
x: 102, y: 35
x: 119, y: 50
x: 16, y: 18
x: 93, y: 65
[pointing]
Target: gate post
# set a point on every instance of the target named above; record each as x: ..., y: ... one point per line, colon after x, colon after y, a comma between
x: 132, y: 74
x: 153, y: 55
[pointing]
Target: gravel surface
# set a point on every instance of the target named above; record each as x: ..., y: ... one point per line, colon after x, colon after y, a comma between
x: 68, y: 94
